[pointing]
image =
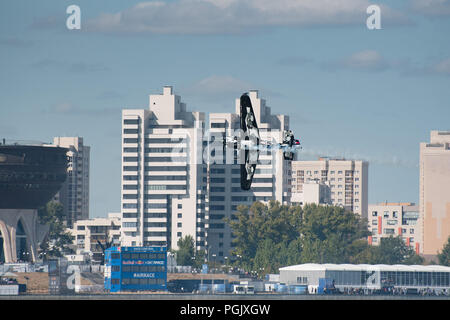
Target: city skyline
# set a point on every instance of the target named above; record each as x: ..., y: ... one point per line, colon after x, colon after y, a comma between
x: 365, y: 95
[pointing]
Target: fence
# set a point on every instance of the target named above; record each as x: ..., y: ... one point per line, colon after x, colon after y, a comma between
x: 179, y: 269
x: 28, y: 267
x: 22, y: 267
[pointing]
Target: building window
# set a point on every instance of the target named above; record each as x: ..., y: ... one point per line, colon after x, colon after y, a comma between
x: 131, y: 121
x: 218, y: 125
x: 386, y: 214
x: 302, y: 280
x: 130, y: 131
x: 180, y: 215
x: 129, y: 224
x: 179, y: 234
x: 130, y: 196
x: 179, y: 224
x: 130, y: 178
x: 374, y: 213
x: 217, y: 207
x: 130, y: 140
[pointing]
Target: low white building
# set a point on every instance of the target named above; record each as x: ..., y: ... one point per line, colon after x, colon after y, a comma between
x: 365, y: 276
x: 89, y: 233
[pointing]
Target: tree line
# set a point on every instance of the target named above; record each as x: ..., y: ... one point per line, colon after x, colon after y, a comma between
x: 269, y: 236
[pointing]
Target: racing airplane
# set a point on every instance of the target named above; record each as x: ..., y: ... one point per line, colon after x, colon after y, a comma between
x: 251, y: 143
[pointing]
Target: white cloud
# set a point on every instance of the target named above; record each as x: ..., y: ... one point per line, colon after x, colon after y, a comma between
x: 226, y: 88
x: 64, y: 107
x: 233, y: 16
x: 407, y: 67
x: 443, y: 67
x: 15, y: 42
x: 219, y: 85
x: 431, y: 8
x: 382, y: 160
x: 366, y: 60
x: 77, y: 67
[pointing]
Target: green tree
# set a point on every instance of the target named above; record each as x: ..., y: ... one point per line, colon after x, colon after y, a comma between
x: 261, y: 222
x: 186, y: 251
x: 199, y: 259
x: 393, y: 250
x: 267, y: 237
x: 327, y: 233
x: 270, y: 257
x: 444, y: 255
x: 58, y: 239
x: 363, y: 253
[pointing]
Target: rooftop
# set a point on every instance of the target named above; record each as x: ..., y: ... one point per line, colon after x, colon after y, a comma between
x: 363, y: 267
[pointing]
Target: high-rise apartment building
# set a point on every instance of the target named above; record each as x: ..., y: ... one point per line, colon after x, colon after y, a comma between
x: 434, y: 192
x: 74, y: 194
x: 395, y: 219
x: 163, y: 175
x: 270, y: 181
x: 347, y: 179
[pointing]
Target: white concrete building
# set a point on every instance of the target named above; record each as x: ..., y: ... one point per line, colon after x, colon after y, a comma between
x: 395, y: 219
x: 163, y: 175
x: 368, y: 277
x: 434, y: 192
x: 74, y: 194
x: 348, y: 181
x: 313, y: 192
x: 270, y: 182
x: 87, y: 234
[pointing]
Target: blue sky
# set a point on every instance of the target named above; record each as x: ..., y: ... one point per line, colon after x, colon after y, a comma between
x: 349, y: 91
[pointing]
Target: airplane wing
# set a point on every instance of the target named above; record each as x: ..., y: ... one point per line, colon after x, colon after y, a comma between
x: 251, y: 137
